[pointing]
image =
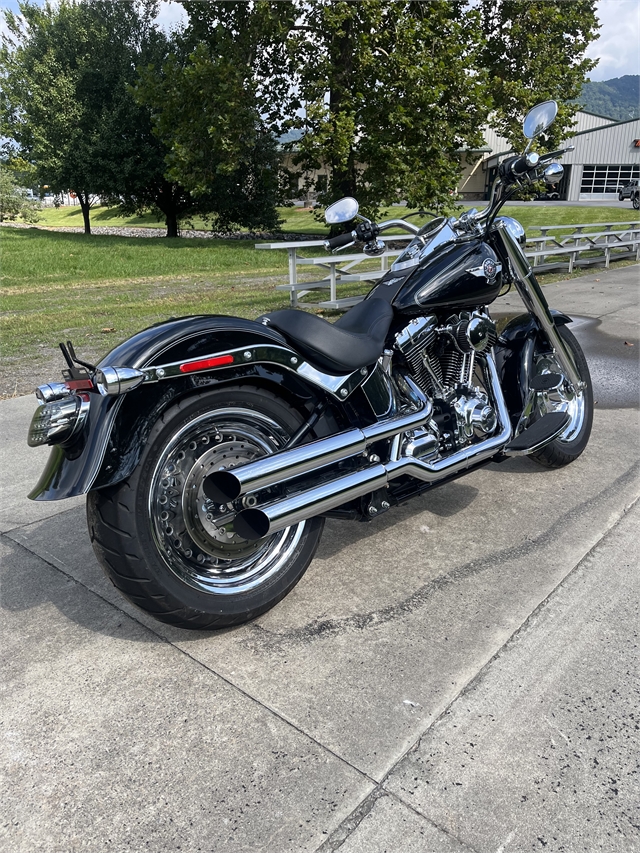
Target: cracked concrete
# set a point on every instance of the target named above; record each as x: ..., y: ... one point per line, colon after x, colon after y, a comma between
x: 460, y: 675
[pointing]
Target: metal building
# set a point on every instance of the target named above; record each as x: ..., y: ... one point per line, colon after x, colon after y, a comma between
x: 606, y: 157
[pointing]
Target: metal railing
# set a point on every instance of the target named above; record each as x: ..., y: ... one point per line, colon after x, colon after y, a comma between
x: 578, y: 248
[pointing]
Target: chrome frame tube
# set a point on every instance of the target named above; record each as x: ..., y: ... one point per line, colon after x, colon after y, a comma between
x: 535, y: 302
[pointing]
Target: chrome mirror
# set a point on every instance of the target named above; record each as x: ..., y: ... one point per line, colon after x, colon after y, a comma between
x: 539, y: 118
x: 343, y: 210
x: 553, y: 173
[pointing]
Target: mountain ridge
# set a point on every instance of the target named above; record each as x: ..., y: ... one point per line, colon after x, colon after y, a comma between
x: 617, y: 99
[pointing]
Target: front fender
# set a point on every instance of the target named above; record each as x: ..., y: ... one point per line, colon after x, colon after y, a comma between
x: 110, y: 445
x: 513, y: 357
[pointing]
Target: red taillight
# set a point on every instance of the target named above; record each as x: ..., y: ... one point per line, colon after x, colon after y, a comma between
x: 217, y: 361
x: 79, y: 384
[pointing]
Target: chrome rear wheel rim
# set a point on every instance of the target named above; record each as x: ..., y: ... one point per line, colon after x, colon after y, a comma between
x: 194, y: 536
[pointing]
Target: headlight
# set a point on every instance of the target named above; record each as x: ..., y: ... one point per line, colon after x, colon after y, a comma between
x: 58, y: 421
x: 514, y: 228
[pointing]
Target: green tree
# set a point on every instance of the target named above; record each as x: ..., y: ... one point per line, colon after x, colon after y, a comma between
x: 535, y: 50
x: 385, y: 94
x: 64, y: 72
x: 68, y: 74
x: 205, y: 111
x: 14, y: 199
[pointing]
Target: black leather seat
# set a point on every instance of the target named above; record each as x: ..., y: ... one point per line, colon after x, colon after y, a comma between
x: 355, y: 340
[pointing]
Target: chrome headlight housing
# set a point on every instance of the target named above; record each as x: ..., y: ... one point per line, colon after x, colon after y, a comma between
x: 58, y: 421
x: 514, y: 228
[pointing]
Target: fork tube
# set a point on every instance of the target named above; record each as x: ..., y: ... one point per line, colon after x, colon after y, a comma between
x: 535, y: 302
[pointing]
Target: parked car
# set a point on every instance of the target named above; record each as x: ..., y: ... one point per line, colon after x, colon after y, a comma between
x: 631, y: 191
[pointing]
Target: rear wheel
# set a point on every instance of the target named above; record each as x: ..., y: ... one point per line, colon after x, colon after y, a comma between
x: 636, y: 202
x: 173, y: 552
x: 577, y: 404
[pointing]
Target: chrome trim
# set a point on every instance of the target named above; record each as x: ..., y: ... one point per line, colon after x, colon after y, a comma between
x: 267, y: 519
x: 339, y: 386
x: 52, y: 391
x: 404, y: 265
x: 288, y: 464
x: 535, y: 302
x: 241, y: 355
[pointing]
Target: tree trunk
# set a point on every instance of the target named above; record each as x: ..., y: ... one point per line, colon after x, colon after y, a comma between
x: 166, y: 201
x: 171, y: 221
x: 85, y: 206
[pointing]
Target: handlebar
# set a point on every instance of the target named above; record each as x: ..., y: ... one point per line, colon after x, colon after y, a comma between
x: 367, y: 232
x: 341, y: 240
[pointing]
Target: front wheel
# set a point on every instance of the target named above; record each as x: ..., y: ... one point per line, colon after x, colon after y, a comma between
x: 173, y: 552
x: 636, y: 202
x: 578, y: 405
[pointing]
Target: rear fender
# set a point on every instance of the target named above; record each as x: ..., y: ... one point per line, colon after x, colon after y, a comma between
x: 109, y: 448
x: 513, y: 354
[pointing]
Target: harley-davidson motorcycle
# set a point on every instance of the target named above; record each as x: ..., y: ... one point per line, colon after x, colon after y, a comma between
x: 212, y: 448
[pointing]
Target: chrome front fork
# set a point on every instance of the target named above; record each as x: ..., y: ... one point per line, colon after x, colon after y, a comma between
x: 535, y: 302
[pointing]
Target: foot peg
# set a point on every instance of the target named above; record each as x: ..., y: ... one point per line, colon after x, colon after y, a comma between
x: 540, y: 433
x: 546, y: 381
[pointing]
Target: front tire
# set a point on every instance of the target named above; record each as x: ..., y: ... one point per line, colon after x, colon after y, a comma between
x: 636, y: 202
x: 579, y: 405
x: 168, y: 548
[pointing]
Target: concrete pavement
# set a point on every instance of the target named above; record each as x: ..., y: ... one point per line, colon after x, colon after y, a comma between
x: 460, y: 675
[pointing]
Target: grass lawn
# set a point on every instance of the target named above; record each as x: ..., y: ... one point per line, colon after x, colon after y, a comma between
x: 298, y: 220
x: 100, y: 290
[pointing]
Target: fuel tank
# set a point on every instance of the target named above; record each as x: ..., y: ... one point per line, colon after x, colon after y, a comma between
x: 445, y: 272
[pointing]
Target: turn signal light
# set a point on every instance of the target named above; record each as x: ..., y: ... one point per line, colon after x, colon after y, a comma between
x: 59, y: 420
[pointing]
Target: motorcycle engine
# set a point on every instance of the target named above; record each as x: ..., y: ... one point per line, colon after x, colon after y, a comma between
x: 442, y: 358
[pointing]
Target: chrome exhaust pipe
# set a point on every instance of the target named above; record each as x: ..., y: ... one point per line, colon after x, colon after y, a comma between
x: 225, y: 486
x: 256, y: 523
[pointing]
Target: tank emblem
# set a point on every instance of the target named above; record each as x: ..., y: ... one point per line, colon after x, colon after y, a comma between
x: 490, y: 269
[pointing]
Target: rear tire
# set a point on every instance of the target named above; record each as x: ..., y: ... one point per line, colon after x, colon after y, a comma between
x: 636, y: 202
x: 170, y: 550
x: 574, y: 439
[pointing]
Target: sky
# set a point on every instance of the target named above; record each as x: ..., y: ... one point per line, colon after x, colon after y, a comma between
x: 617, y: 48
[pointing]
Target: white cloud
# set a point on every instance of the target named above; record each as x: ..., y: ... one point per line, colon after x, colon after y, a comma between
x: 618, y: 47
x: 171, y: 16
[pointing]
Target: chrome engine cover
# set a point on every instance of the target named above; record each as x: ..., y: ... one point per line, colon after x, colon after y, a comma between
x: 443, y: 363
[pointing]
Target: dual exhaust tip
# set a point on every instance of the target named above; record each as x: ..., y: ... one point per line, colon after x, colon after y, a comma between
x: 222, y: 487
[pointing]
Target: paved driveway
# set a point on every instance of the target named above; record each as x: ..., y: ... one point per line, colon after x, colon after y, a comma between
x: 460, y: 675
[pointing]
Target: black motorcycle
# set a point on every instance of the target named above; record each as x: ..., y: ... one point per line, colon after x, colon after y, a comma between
x: 211, y: 448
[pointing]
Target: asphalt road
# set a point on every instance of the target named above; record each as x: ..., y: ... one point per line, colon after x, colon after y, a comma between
x: 460, y: 675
